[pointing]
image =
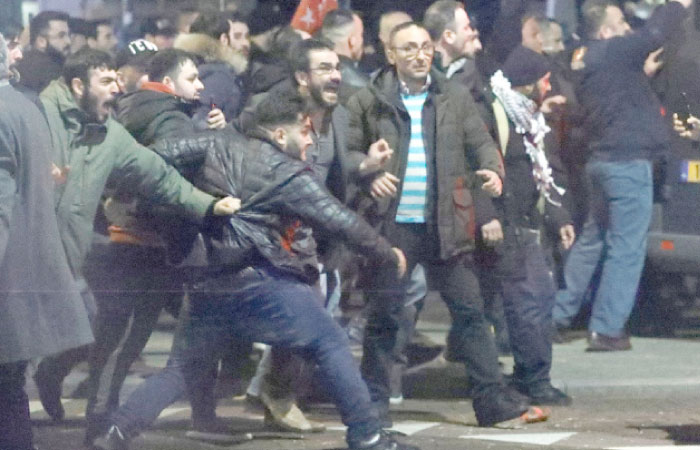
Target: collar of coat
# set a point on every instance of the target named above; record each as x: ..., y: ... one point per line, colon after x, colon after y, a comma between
x: 387, y: 87
x: 157, y: 87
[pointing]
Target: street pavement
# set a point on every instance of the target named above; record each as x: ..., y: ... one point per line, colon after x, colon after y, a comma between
x: 647, y: 398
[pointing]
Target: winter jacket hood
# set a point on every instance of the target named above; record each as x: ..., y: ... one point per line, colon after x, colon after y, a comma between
x: 149, y: 114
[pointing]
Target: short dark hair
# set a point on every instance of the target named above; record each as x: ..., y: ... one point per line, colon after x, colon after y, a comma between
x: 399, y: 28
x: 280, y: 107
x: 299, y: 60
x: 40, y: 23
x: 79, y: 26
x: 79, y: 64
x: 211, y: 23
x: 594, y: 13
x: 157, y: 26
x: 167, y: 62
x: 94, y: 25
x: 440, y: 16
x: 337, y: 24
x: 282, y: 41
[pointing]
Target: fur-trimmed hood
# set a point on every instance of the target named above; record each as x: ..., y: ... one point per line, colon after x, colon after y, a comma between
x: 211, y: 50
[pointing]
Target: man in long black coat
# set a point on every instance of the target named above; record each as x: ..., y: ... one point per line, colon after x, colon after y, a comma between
x: 41, y: 310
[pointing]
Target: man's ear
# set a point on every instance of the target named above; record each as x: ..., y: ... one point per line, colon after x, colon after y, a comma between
x: 279, y: 135
x: 77, y: 87
x: 448, y: 37
x: 91, y: 42
x: 41, y: 43
x: 223, y: 39
x: 169, y: 82
x: 302, y: 78
x: 352, y: 43
x: 391, y: 56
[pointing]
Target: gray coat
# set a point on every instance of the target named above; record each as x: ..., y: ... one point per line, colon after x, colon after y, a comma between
x: 41, y: 311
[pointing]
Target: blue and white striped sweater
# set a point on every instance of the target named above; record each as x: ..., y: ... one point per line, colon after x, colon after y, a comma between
x: 415, y: 183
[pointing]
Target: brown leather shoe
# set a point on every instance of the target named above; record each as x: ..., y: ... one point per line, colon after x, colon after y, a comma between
x: 601, y: 343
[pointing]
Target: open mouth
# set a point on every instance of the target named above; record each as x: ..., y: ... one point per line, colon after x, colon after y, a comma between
x: 332, y: 88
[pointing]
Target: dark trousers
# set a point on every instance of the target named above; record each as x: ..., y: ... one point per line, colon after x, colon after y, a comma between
x: 468, y: 338
x: 528, y: 299
x: 263, y: 305
x: 131, y: 284
x: 161, y: 390
x: 15, y: 426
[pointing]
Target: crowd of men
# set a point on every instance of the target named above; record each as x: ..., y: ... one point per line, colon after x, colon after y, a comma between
x: 238, y: 182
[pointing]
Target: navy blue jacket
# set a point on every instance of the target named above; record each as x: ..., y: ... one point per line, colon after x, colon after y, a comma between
x: 623, y: 115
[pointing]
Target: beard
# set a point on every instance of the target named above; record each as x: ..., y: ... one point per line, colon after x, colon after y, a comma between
x: 90, y: 104
x: 55, y: 54
x: 316, y: 93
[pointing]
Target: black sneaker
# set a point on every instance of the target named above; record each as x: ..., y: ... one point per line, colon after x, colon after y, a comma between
x: 546, y: 394
x: 113, y: 440
x: 381, y: 441
x: 498, y: 407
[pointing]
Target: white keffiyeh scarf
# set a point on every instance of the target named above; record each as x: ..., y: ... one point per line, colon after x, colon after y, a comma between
x: 529, y: 122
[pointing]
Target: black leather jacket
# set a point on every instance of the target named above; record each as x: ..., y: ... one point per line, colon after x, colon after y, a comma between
x: 282, y: 202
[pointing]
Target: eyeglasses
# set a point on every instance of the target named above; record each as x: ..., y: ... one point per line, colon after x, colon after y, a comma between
x: 325, y: 69
x: 410, y: 52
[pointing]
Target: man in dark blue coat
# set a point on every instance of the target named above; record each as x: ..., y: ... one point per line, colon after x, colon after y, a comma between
x: 625, y: 132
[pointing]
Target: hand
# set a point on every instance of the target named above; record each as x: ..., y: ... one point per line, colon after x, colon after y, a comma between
x: 492, y: 232
x: 227, y: 206
x: 401, y: 264
x: 492, y: 182
x: 550, y: 104
x: 384, y: 186
x: 689, y: 129
x: 216, y: 119
x: 378, y: 154
x: 567, y: 235
x: 652, y: 63
x: 59, y: 175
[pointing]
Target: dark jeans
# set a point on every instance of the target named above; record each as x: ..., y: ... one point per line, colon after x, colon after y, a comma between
x: 15, y: 425
x: 161, y: 390
x: 528, y: 301
x: 129, y: 282
x: 468, y: 338
x: 262, y: 305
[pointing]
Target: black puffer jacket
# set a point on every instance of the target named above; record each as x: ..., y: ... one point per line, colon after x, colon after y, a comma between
x: 150, y: 115
x: 282, y: 202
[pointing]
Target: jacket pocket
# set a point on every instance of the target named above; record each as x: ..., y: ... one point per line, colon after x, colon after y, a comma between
x: 465, y: 220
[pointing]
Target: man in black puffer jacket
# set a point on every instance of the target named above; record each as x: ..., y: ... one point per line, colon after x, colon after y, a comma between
x: 259, y: 267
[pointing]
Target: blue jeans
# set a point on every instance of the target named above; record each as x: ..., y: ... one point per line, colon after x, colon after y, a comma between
x: 161, y: 390
x: 614, y: 235
x: 262, y: 305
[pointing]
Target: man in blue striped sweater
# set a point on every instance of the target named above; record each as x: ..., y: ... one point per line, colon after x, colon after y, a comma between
x: 422, y: 202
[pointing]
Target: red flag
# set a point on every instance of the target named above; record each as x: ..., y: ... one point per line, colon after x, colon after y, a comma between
x: 310, y: 13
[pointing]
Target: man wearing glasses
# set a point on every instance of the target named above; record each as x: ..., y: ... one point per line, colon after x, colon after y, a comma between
x: 50, y: 39
x: 422, y: 203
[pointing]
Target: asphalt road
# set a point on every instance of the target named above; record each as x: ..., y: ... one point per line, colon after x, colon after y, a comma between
x: 647, y: 398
